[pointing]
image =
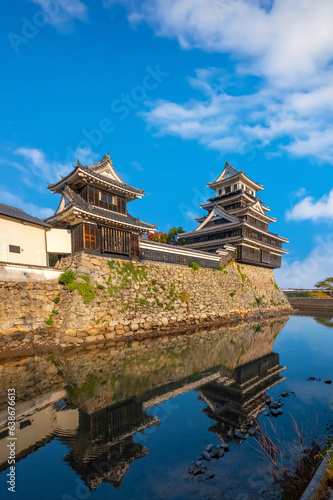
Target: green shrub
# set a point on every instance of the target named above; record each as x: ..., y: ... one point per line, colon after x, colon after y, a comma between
x: 49, y: 320
x: 111, y: 264
x: 67, y: 277
x: 158, y: 302
x: 57, y: 299
x: 195, y: 266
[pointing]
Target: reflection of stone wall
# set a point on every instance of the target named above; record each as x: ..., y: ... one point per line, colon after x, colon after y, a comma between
x: 31, y: 376
x: 169, y: 298
x: 101, y: 376
x: 151, y: 367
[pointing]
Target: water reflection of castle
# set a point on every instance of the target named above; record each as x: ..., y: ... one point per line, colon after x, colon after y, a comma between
x: 241, y: 399
x: 102, y: 438
x: 103, y: 448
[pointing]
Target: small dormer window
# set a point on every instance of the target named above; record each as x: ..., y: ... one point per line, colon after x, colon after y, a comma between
x: 220, y: 191
x: 106, y: 198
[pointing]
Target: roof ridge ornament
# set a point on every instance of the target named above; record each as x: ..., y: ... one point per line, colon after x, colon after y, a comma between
x: 78, y: 164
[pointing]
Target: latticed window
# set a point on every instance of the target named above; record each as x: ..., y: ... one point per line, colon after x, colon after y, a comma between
x: 91, y: 237
x: 85, y: 237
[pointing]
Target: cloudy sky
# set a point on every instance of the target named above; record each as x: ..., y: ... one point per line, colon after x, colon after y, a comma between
x: 173, y: 89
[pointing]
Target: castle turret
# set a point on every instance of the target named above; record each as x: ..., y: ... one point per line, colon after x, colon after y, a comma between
x: 237, y: 221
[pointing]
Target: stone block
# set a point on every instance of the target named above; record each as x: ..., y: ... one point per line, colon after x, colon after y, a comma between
x: 70, y: 332
x: 22, y: 329
x: 9, y: 331
x: 109, y: 336
x: 83, y: 270
x: 120, y: 331
x: 92, y: 338
x: 72, y: 340
x: 81, y: 334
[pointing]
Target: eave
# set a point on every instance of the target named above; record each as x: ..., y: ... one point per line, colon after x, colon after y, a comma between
x: 213, y: 229
x: 81, y: 173
x: 240, y: 176
x: 225, y: 199
x: 73, y: 213
x: 244, y: 210
x: 216, y: 212
x: 267, y: 233
x: 240, y: 240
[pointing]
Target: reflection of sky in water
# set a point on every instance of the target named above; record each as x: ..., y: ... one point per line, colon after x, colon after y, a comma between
x: 305, y: 348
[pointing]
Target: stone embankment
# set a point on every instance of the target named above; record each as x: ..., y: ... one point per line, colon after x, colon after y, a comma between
x: 105, y: 299
x: 312, y: 305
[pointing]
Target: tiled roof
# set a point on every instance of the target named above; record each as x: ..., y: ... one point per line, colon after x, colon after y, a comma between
x: 113, y: 182
x: 91, y: 171
x: 17, y: 213
x: 214, y: 229
x: 75, y: 200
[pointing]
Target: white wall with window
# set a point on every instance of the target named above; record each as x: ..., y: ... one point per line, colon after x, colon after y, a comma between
x: 22, y: 242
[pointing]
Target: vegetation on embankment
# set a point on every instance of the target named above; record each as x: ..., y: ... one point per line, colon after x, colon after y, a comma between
x: 315, y: 294
x: 326, y: 482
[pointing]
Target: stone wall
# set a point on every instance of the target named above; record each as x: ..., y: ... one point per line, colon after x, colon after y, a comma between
x: 312, y: 305
x: 111, y: 299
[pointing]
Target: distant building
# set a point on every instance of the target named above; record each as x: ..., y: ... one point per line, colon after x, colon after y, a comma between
x: 94, y: 207
x: 237, y: 223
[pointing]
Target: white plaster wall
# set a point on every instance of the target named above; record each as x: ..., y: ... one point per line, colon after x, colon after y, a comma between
x: 30, y: 238
x: 59, y: 241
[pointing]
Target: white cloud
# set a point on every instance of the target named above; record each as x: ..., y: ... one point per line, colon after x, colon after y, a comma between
x: 311, y: 209
x: 137, y: 165
x: 317, y: 265
x: 16, y: 201
x: 288, y: 45
x: 237, y: 123
x: 59, y: 12
x: 286, y: 41
x: 299, y: 193
x: 50, y: 171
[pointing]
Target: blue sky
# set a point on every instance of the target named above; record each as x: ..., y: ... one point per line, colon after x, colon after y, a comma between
x: 173, y: 89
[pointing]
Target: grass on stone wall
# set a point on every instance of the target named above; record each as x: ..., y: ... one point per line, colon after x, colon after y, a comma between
x: 86, y: 391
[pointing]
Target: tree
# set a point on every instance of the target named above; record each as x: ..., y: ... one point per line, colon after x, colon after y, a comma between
x: 159, y: 237
x: 173, y: 234
x: 326, y: 285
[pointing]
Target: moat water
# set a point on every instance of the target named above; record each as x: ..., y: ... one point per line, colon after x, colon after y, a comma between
x: 185, y: 417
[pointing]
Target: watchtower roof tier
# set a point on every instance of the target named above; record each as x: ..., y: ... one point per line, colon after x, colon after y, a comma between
x: 102, y: 174
x: 231, y: 175
x: 73, y: 209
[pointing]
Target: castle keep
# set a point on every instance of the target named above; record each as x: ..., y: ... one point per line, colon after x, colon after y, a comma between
x: 237, y: 223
